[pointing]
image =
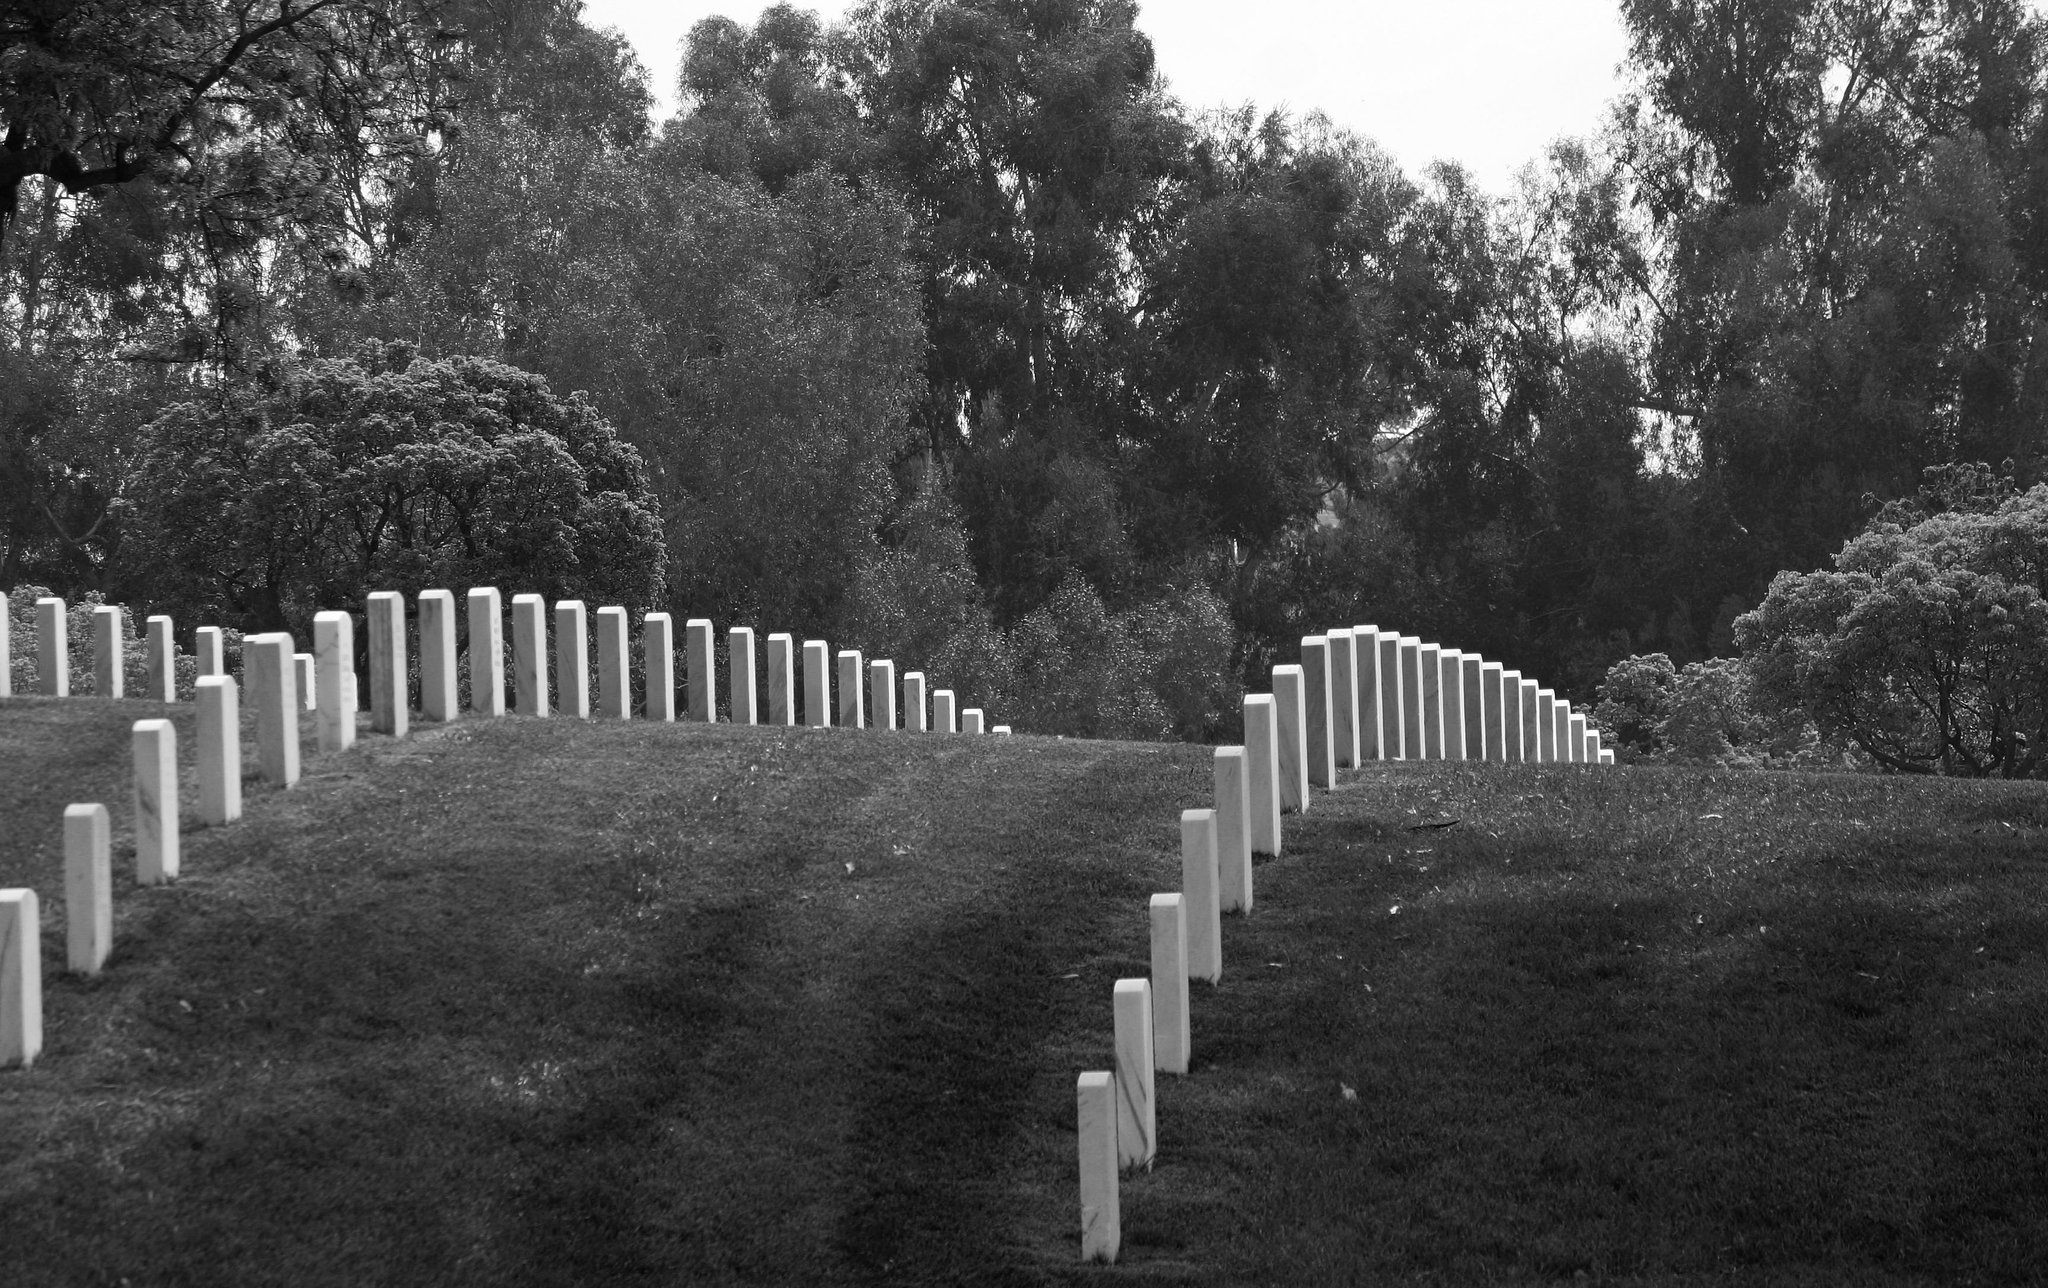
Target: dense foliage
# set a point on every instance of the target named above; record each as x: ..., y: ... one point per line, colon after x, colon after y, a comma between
x: 955, y: 298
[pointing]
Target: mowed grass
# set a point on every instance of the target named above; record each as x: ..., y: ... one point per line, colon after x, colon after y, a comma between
x: 544, y: 1002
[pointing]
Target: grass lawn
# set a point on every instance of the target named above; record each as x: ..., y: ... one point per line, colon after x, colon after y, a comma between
x: 543, y: 1002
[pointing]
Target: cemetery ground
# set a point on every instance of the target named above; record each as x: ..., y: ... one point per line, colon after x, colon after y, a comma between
x: 541, y: 1002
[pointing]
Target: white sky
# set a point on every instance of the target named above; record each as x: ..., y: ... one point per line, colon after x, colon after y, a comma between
x: 1486, y: 82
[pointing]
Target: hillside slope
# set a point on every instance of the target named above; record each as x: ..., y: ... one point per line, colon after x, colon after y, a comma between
x: 544, y: 1002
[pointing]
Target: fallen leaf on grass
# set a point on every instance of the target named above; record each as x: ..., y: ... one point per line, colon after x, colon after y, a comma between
x: 1433, y: 824
x: 1705, y: 817
x: 1350, y: 1092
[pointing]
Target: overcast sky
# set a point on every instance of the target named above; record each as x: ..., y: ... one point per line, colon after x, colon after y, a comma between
x: 1485, y: 82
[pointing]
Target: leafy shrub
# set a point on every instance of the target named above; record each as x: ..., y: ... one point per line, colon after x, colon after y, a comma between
x: 1926, y: 644
x: 1635, y: 699
x: 25, y: 639
x: 1704, y: 713
x: 390, y: 473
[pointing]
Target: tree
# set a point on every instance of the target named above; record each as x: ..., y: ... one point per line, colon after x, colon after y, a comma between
x: 387, y: 472
x: 1926, y: 644
x: 264, y: 105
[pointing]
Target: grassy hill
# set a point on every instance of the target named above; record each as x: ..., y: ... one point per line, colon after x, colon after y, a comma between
x: 541, y: 1002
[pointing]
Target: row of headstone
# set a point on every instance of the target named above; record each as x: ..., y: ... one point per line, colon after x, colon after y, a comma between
x: 1359, y: 694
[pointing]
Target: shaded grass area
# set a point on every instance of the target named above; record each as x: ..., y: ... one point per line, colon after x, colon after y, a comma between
x: 543, y: 1002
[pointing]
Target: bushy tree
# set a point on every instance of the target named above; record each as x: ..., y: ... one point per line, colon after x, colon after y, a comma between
x: 1926, y: 644
x: 387, y: 472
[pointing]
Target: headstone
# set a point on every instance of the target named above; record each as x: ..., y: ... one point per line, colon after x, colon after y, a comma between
x: 1233, y: 831
x: 658, y: 644
x: 1532, y: 732
x: 1412, y: 747
x: 6, y: 647
x: 1606, y: 757
x: 530, y: 655
x: 209, y: 644
x: 1201, y: 881
x: 852, y: 707
x: 220, y: 747
x: 942, y: 712
x: 1472, y: 695
x: 1291, y: 711
x: 1095, y: 1117
x: 1493, y: 712
x: 486, y: 651
x: 1577, y: 739
x: 1593, y: 747
x: 1511, y: 716
x: 390, y: 696
x: 1388, y: 672
x: 614, y: 664
x: 1170, y: 982
x: 1344, y: 696
x: 1137, y: 1130
x: 302, y: 677
x: 1319, y: 732
x: 274, y: 692
x: 1001, y: 731
x: 882, y: 693
x: 53, y: 649
x: 88, y: 888
x: 109, y: 665
x: 572, y: 660
x: 21, y: 978
x: 781, y: 680
x: 1546, y: 726
x: 156, y: 802
x: 1430, y: 670
x: 162, y: 661
x: 1561, y: 733
x: 913, y: 702
x: 971, y: 721
x: 438, y: 697
x: 1262, y: 762
x: 817, y: 684
x: 1451, y: 687
x: 739, y: 662
x: 702, y: 673
x: 334, y: 660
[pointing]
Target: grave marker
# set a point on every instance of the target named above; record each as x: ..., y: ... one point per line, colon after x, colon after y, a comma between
x: 209, y: 644
x: 1319, y: 741
x: 273, y: 688
x: 1137, y: 1130
x: 882, y: 693
x: 1095, y: 1117
x: 390, y: 688
x: 702, y: 673
x: 1386, y: 667
x: 109, y: 660
x: 852, y: 708
x: 1546, y: 726
x: 942, y: 712
x: 53, y: 649
x: 1344, y: 696
x: 438, y: 699
x: 1291, y: 712
x: 1578, y: 739
x: 1561, y: 730
x: 1233, y: 831
x: 6, y: 648
x: 1412, y: 746
x: 1492, y: 712
x: 1430, y: 671
x: 530, y: 656
x: 970, y: 720
x: 220, y: 747
x: 572, y: 659
x: 1532, y: 733
x: 1262, y: 763
x: 486, y: 652
x: 781, y: 680
x: 1170, y: 982
x: 1472, y: 696
x: 614, y: 664
x: 334, y: 660
x: 302, y: 678
x: 658, y: 644
x: 162, y: 661
x: 88, y: 888
x: 1451, y: 685
x: 1201, y: 881
x: 739, y: 661
x: 817, y: 684
x: 913, y: 702
x: 155, y: 745
x: 1606, y: 757
x: 21, y: 978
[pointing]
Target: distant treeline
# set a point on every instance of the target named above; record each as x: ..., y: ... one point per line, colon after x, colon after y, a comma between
x: 950, y: 329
